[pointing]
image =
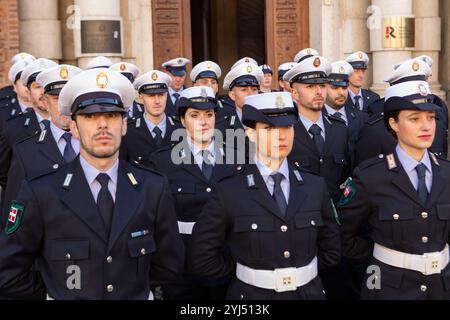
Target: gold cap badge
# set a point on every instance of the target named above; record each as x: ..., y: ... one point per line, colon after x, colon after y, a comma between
x: 102, y: 80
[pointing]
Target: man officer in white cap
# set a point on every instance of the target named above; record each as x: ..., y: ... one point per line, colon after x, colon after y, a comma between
x: 305, y: 54
x: 130, y: 71
x: 176, y: 69
x: 337, y: 95
x: 48, y: 149
x: 282, y: 70
x: 153, y: 129
x: 360, y: 98
x: 98, y: 228
x: 27, y: 123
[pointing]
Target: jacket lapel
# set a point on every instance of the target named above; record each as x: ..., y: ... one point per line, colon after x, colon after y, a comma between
x: 128, y: 199
x: 402, y: 181
x: 438, y: 186
x: 49, y: 148
x: 261, y: 194
x: 78, y: 197
x: 296, y: 193
x: 303, y: 137
x: 330, y: 134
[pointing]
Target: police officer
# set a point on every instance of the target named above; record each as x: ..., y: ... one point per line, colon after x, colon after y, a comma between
x: 176, y: 69
x: 99, y: 62
x: 283, y: 68
x: 320, y: 143
x: 206, y: 73
x: 266, y: 84
x: 199, y: 161
x: 8, y: 93
x: 262, y: 211
x: 404, y: 197
x: 359, y: 98
x: 337, y: 95
x: 48, y: 149
x: 28, y: 123
x: 98, y: 228
x: 130, y: 71
x: 375, y: 139
x: 19, y: 104
x: 153, y: 129
x: 305, y: 54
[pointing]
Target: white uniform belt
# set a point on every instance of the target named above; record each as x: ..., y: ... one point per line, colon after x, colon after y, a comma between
x: 428, y: 263
x: 185, y: 227
x: 280, y: 280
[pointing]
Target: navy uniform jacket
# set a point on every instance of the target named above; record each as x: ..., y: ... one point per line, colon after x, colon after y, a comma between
x: 333, y: 164
x: 32, y: 157
x: 14, y: 130
x: 227, y: 109
x: 10, y: 108
x: 190, y: 189
x: 7, y: 93
x: 138, y: 144
x: 138, y: 109
x: 61, y: 228
x: 245, y: 219
x: 171, y: 110
x: 383, y: 195
x: 368, y: 97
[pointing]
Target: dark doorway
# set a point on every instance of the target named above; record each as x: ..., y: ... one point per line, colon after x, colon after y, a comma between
x: 227, y: 30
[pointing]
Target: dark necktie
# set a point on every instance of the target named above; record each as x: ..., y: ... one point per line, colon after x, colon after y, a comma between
x: 357, y: 98
x: 315, y: 130
x: 422, y: 186
x: 105, y: 201
x: 158, y: 136
x: 46, y: 124
x: 177, y: 97
x: 69, y: 153
x: 207, y: 167
x: 278, y: 194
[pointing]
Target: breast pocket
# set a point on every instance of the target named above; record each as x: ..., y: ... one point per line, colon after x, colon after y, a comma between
x: 182, y: 192
x: 140, y: 250
x: 307, y: 224
x: 252, y: 234
x: 397, y: 222
x: 69, y: 260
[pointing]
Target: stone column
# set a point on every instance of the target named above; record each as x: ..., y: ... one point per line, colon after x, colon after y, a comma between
x: 67, y: 15
x: 355, y: 34
x: 385, y: 59
x: 102, y: 9
x: 325, y: 28
x: 40, y: 31
x: 428, y: 37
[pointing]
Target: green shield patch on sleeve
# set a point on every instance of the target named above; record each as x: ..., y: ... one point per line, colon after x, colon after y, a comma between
x: 14, y: 218
x: 348, y: 193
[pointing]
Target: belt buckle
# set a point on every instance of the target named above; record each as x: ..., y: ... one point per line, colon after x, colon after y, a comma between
x: 432, y: 263
x: 286, y: 279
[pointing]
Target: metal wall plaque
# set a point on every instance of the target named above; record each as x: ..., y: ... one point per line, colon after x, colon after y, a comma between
x: 101, y: 36
x: 398, y: 32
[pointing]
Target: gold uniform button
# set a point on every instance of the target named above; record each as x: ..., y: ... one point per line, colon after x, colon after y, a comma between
x: 423, y: 288
x: 143, y: 252
x: 68, y: 256
x: 424, y: 215
x: 208, y: 190
x: 110, y: 288
x: 284, y: 228
x: 109, y: 259
x: 425, y: 239
x: 254, y: 226
x: 396, y: 216
x: 287, y: 254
